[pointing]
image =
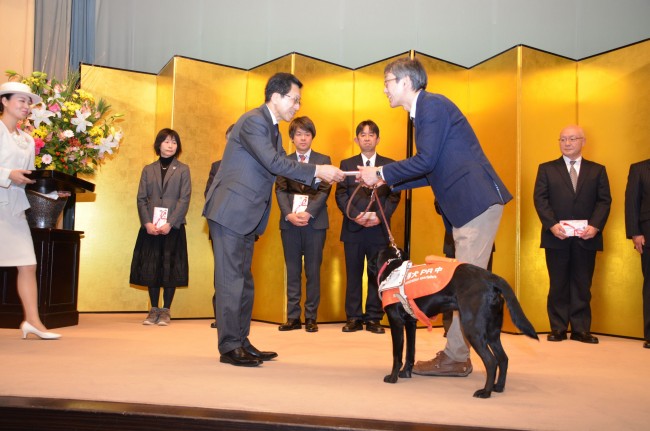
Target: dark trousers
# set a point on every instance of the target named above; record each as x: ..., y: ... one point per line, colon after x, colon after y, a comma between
x: 298, y: 243
x: 233, y: 284
x: 645, y: 267
x: 570, y: 273
x: 355, y: 256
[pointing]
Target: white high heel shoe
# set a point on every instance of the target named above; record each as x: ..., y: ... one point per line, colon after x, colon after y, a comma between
x: 28, y: 328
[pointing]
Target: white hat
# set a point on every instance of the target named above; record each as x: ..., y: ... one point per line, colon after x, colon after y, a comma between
x: 19, y: 88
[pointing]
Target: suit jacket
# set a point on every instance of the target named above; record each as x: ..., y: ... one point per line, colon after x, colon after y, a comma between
x: 450, y: 160
x: 637, y: 201
x: 351, y: 231
x: 213, y: 171
x: 174, y: 193
x: 555, y: 200
x: 285, y: 190
x: 240, y: 195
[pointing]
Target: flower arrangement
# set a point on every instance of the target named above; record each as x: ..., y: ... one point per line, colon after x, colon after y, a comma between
x: 72, y: 132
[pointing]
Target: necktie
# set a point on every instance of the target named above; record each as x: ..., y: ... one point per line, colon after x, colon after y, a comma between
x: 367, y: 162
x: 573, y: 174
x: 302, y: 158
x: 276, y: 133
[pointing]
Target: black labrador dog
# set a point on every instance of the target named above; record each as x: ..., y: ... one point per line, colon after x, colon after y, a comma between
x: 478, y: 295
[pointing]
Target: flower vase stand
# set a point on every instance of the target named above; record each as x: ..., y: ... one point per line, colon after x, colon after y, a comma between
x: 57, y: 257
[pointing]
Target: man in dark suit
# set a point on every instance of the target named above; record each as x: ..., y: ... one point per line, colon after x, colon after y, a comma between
x: 637, y: 228
x: 568, y: 190
x: 450, y: 160
x: 303, y: 227
x: 213, y: 171
x: 365, y: 234
x: 237, y: 207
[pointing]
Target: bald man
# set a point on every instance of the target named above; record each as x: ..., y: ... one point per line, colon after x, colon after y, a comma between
x: 572, y: 200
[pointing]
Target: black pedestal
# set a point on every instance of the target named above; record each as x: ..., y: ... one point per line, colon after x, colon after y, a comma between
x: 57, y: 275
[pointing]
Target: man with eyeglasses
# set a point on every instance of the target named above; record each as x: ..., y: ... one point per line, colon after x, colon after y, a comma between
x: 237, y: 207
x: 450, y: 160
x: 573, y: 200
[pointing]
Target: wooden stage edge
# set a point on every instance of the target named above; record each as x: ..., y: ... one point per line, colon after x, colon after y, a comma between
x: 33, y: 414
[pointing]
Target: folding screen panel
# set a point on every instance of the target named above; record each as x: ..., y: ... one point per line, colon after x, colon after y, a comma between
x: 614, y: 108
x: 109, y: 217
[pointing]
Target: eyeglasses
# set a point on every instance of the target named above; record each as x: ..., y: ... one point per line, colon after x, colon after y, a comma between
x: 572, y: 139
x: 386, y: 81
x: 296, y: 99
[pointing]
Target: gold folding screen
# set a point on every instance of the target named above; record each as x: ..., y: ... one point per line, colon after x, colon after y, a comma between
x: 517, y: 103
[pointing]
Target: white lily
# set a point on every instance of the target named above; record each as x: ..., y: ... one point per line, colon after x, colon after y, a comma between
x: 80, y: 121
x: 41, y: 115
x: 108, y: 143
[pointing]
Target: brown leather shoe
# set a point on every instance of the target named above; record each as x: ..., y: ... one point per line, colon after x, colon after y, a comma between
x: 442, y: 365
x: 290, y: 325
x: 374, y: 327
x: 584, y: 337
x: 310, y: 325
x: 353, y: 325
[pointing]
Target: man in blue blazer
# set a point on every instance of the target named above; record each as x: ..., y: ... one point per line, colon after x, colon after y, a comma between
x: 237, y: 207
x: 450, y: 160
x: 637, y: 228
x: 567, y: 189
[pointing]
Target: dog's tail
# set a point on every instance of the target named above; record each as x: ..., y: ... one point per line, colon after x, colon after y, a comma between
x: 516, y: 312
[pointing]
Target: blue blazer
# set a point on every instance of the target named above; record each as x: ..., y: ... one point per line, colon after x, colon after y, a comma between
x: 450, y: 160
x: 240, y: 195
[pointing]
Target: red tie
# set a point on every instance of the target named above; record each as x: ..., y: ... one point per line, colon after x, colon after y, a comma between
x: 302, y: 158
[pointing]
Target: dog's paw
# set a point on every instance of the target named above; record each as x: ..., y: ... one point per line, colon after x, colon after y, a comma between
x: 405, y: 374
x: 390, y: 378
x: 482, y: 393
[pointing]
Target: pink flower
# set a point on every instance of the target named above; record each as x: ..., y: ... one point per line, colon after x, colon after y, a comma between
x: 38, y: 145
x: 54, y: 107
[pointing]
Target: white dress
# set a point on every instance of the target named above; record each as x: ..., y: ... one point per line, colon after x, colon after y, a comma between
x: 16, y: 246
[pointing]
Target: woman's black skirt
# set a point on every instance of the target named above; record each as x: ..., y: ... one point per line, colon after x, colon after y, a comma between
x: 160, y: 260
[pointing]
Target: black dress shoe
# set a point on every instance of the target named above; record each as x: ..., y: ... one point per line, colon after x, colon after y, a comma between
x: 310, y: 325
x: 374, y: 327
x: 646, y: 345
x: 556, y: 336
x: 262, y: 356
x: 584, y: 337
x: 290, y: 325
x: 353, y: 325
x: 213, y: 325
x: 239, y: 358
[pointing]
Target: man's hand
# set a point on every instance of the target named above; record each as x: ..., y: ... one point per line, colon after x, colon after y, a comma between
x: 368, y: 175
x: 329, y: 173
x: 299, y: 219
x: 17, y: 176
x: 558, y: 231
x: 588, y: 232
x: 639, y: 242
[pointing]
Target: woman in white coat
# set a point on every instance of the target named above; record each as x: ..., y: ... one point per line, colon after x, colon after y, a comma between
x: 17, y: 161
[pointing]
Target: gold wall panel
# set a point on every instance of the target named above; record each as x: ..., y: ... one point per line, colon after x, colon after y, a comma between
x: 109, y: 217
x: 547, y: 103
x: 614, y: 108
x: 206, y: 99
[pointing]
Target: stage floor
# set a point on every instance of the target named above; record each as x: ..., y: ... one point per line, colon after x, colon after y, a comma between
x: 114, y: 358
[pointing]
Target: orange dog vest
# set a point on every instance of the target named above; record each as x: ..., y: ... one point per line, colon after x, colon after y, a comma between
x: 410, y: 282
